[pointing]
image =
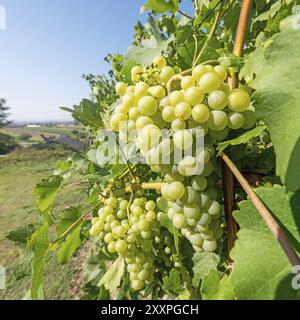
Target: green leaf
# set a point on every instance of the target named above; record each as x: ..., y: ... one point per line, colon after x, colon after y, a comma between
x: 146, y: 51
x: 216, y: 286
x: 203, y: 263
x: 88, y: 113
x: 112, y: 278
x: 68, y: 217
x: 39, y: 243
x: 21, y: 235
x: 172, y: 282
x: 167, y: 223
x: 70, y: 245
x: 46, y: 191
x: 161, y: 6
x: 244, y: 138
x: 277, y: 101
x: 261, y: 270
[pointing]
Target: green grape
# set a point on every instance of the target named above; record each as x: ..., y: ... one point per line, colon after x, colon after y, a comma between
x: 121, y: 246
x: 137, y: 211
x: 111, y: 247
x: 170, y: 177
x: 183, y: 139
x: 235, y: 120
x: 130, y: 89
x: 122, y: 108
x: 183, y: 110
x: 146, y: 245
x: 209, y: 245
x: 166, y: 74
x: 194, y: 96
x: 147, y: 106
x: 137, y: 285
x: 136, y: 70
x: 214, y: 208
x: 218, y: 120
x: 121, y: 88
x: 203, y: 156
x: 116, y: 120
x: 143, y: 274
x: 159, y: 62
x: 176, y: 97
x: 209, y: 82
x: 110, y: 218
x: 204, y: 199
x: 146, y: 234
x: 199, y: 71
x: 164, y: 102
x: 131, y: 238
x: 217, y: 100
x: 134, y: 113
x: 187, y: 82
x: 190, y: 196
x: 192, y: 222
x: 150, y: 205
x: 196, y: 239
x: 179, y: 221
x: 209, y: 68
x: 225, y: 88
x: 178, y: 124
x: 128, y: 100
x: 168, y: 114
x: 222, y: 72
x: 168, y: 250
x: 187, y: 166
x: 177, y: 208
x: 250, y: 119
x: 199, y: 183
x: 108, y: 237
x: 157, y: 92
x: 143, y: 225
x: 191, y: 211
x: 200, y: 113
x: 141, y: 89
x: 150, y: 216
x: 204, y: 220
x: 171, y: 213
x: 149, y: 136
x: 239, y: 100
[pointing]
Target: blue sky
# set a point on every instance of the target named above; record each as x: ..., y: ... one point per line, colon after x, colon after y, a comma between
x: 49, y: 44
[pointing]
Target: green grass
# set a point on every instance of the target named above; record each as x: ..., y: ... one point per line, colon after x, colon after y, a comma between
x: 19, y: 173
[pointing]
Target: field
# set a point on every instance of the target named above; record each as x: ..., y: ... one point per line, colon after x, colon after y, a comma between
x: 19, y: 173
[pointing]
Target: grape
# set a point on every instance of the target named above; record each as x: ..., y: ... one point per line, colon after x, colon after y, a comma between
x: 150, y: 135
x: 183, y: 110
x: 209, y: 245
x: 141, y: 89
x: 168, y: 114
x: 178, y: 124
x: 187, y: 166
x: 203, y: 156
x: 205, y: 219
x: 143, y: 274
x: 130, y: 89
x: 235, y: 120
x: 150, y: 216
x: 142, y: 121
x: 108, y: 237
x: 222, y: 72
x: 187, y: 82
x: 137, y: 285
x: 218, y: 120
x: 121, y: 88
x: 159, y: 62
x: 250, y: 119
x: 166, y: 74
x: 143, y: 225
x: 157, y: 92
x: 225, y: 88
x: 179, y: 221
x: 199, y: 71
x: 150, y: 205
x: 111, y: 247
x: 200, y: 113
x: 191, y: 211
x: 121, y: 246
x: 176, y: 97
x: 128, y: 100
x: 146, y: 234
x: 134, y: 113
x: 183, y: 139
x: 147, y: 106
x: 194, y: 95
x: 196, y: 239
x: 239, y: 100
x: 209, y: 67
x: 190, y: 196
x: 210, y: 81
x: 199, y: 183
x: 217, y: 100
x: 116, y: 120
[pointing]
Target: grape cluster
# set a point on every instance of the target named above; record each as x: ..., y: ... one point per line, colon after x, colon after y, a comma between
x: 133, y: 231
x: 161, y: 99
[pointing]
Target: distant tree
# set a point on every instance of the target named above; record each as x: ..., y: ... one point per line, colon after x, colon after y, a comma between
x: 25, y: 137
x: 3, y: 113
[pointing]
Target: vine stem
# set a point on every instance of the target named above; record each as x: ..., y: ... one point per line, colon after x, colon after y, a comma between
x: 265, y: 213
x: 228, y: 180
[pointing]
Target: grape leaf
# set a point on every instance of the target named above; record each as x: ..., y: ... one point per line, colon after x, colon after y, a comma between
x: 216, y: 286
x: 112, y: 278
x: 261, y: 270
x: 244, y: 138
x: 68, y: 217
x: 277, y: 100
x: 172, y: 282
x: 45, y: 192
x: 161, y: 6
x: 39, y: 242
x: 22, y: 234
x: 203, y: 263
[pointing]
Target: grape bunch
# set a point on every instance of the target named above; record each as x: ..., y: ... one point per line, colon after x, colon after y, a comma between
x: 133, y: 231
